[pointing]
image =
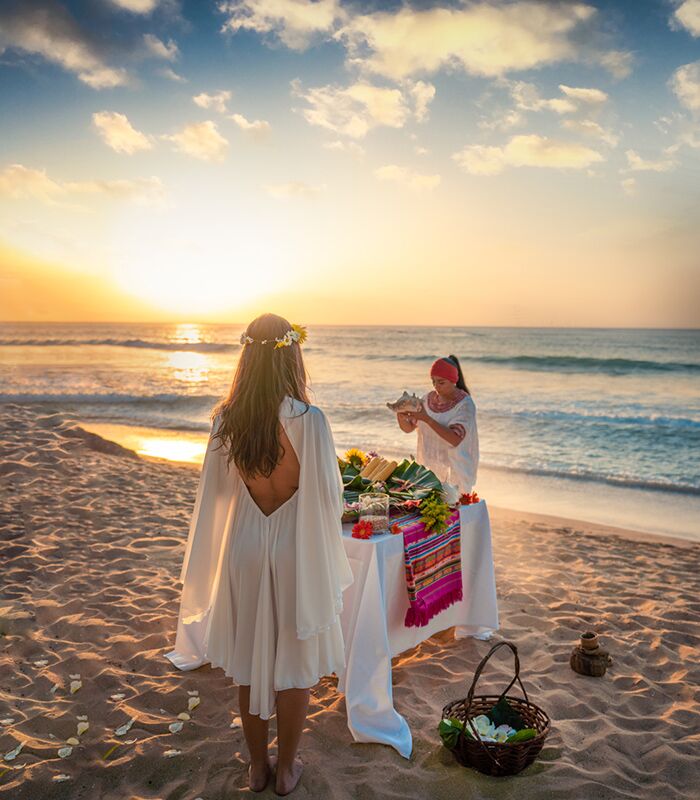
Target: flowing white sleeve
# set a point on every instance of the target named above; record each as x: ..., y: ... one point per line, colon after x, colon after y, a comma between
x: 210, y: 518
x: 201, y: 567
x: 323, y: 570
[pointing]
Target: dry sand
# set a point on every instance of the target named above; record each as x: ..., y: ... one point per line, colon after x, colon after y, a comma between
x: 91, y: 540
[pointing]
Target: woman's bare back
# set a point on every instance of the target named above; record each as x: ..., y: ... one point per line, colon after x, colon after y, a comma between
x: 270, y: 493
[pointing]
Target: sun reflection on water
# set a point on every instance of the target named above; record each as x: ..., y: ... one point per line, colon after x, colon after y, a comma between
x: 189, y: 367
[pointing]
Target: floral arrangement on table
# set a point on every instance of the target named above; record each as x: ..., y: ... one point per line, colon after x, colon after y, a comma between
x: 410, y: 486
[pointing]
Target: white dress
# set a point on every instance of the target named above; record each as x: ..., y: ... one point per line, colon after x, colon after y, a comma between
x: 262, y: 594
x: 458, y: 464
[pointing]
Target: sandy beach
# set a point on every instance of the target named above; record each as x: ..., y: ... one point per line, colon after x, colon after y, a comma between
x: 91, y: 542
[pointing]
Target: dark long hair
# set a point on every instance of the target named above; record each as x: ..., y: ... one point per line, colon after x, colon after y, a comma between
x: 460, y: 383
x: 250, y: 414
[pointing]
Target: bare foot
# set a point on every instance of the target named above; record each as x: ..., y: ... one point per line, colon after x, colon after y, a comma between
x: 258, y: 776
x: 287, y: 780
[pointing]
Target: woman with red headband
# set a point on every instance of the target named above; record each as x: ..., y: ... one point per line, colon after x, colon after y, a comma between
x: 448, y: 441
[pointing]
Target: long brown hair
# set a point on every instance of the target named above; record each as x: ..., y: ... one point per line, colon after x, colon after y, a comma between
x: 250, y: 414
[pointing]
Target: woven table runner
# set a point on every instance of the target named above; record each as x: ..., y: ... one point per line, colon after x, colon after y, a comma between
x: 433, y: 567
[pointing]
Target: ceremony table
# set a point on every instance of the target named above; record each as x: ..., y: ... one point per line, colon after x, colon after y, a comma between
x: 374, y: 608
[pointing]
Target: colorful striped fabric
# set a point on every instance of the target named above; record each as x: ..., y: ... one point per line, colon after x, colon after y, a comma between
x: 433, y: 567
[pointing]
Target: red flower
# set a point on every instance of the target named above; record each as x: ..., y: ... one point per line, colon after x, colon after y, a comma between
x: 396, y: 528
x: 362, y: 530
x: 468, y: 499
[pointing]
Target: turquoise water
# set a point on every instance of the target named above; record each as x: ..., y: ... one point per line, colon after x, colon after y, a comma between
x: 582, y: 411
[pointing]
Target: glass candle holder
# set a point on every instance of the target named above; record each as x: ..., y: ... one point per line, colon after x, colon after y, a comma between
x: 374, y: 508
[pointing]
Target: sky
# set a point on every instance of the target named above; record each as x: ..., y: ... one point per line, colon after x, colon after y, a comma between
x: 457, y: 163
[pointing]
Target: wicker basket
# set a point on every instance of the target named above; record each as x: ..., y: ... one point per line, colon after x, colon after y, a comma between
x: 495, y: 758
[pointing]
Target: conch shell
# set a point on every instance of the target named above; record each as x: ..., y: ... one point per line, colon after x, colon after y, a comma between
x: 407, y: 402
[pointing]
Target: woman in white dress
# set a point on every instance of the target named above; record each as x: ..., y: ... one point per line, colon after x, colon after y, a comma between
x: 264, y: 567
x: 448, y: 440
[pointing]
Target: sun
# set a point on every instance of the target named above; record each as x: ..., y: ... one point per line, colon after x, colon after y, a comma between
x: 192, y: 261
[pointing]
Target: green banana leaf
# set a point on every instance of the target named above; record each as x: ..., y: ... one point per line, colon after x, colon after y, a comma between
x: 418, y: 481
x: 522, y: 735
x: 449, y: 730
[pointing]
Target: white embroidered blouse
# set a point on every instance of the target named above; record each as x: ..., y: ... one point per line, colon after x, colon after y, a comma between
x: 452, y: 464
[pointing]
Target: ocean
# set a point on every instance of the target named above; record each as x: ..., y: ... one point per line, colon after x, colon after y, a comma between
x: 599, y: 425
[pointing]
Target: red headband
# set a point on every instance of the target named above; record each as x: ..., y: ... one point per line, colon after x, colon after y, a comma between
x: 442, y: 368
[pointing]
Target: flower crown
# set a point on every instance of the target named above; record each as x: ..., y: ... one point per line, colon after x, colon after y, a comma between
x: 297, y: 334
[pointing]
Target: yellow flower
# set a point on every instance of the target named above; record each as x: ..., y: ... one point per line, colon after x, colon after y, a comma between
x: 355, y: 457
x: 301, y: 330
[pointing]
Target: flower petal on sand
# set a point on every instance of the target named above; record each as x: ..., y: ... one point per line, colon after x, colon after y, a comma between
x: 184, y: 715
x: 12, y: 754
x: 192, y: 703
x: 193, y: 693
x: 73, y: 741
x: 82, y: 727
x: 42, y: 663
x: 64, y: 752
x: 118, y: 696
x: 171, y: 753
x: 122, y: 729
x: 74, y: 686
x: 75, y: 677
x: 175, y: 727
x: 110, y: 751
x: 82, y: 718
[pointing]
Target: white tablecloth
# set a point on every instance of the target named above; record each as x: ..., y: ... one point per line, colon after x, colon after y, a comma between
x: 374, y: 608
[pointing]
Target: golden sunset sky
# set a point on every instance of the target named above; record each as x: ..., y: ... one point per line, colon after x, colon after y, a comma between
x: 458, y: 163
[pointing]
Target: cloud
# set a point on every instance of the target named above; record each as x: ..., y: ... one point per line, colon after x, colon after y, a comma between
x: 479, y: 159
x: 201, y: 140
x: 637, y: 164
x: 344, y: 146
x: 422, y: 94
x: 159, y: 49
x: 686, y: 131
x: 215, y: 101
x: 629, y: 186
x: 20, y: 182
x: 584, y: 96
x: 617, y: 62
x: 354, y: 110
x: 502, y: 120
x: 526, y: 151
x: 294, y: 22
x: 136, y: 6
x: 407, y: 177
x: 588, y: 127
x: 687, y: 16
x: 527, y: 97
x: 49, y: 31
x: 258, y: 128
x: 143, y: 190
x: 118, y: 133
x: 171, y: 75
x: 482, y: 38
x: 685, y: 83
x: 286, y: 191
